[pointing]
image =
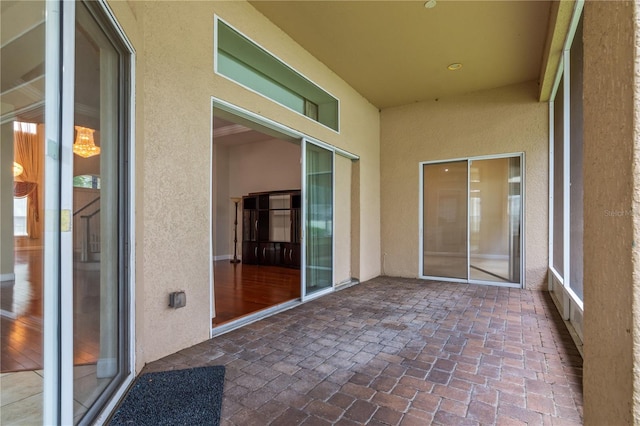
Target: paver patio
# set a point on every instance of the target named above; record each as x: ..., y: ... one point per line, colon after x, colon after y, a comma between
x: 399, y: 351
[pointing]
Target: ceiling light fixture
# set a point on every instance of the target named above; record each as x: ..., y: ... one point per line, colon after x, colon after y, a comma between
x: 84, y: 145
x: 454, y: 67
x: 17, y: 169
x: 430, y: 4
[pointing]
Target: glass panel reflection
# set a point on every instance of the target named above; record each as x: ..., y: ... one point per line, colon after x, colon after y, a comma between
x: 494, y: 220
x: 319, y: 225
x: 445, y: 220
x: 97, y: 358
x: 22, y: 181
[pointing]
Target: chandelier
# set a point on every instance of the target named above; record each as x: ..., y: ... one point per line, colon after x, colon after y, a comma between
x: 17, y: 169
x: 84, y: 145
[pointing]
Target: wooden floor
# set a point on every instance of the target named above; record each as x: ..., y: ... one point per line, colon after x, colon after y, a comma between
x: 21, y: 315
x: 243, y: 289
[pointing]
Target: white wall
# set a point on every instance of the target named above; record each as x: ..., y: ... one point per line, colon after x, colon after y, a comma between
x: 264, y: 166
x: 6, y: 204
x: 222, y: 233
x: 270, y: 165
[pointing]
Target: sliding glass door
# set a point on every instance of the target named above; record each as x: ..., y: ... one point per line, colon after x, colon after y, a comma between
x: 445, y: 219
x: 65, y: 203
x: 472, y: 220
x: 30, y: 315
x: 100, y: 213
x: 318, y: 163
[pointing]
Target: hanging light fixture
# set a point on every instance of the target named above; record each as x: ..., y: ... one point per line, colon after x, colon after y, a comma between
x: 84, y: 145
x: 17, y: 169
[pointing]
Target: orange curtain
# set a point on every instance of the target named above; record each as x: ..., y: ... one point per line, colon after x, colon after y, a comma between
x: 27, y: 152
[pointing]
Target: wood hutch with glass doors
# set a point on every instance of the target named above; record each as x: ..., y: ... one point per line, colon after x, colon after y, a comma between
x: 271, y: 228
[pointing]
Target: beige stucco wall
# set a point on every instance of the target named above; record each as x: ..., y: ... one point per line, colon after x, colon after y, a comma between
x: 175, y: 83
x: 504, y: 120
x: 611, y: 177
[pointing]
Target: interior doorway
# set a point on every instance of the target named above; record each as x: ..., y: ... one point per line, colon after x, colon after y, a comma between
x: 256, y: 193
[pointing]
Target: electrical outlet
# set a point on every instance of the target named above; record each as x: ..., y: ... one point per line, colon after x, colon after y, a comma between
x: 177, y: 299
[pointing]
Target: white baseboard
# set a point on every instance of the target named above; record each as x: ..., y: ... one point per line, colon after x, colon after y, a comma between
x: 8, y: 277
x: 224, y: 257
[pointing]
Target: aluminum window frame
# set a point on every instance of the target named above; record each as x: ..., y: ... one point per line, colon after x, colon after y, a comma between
x: 216, y: 50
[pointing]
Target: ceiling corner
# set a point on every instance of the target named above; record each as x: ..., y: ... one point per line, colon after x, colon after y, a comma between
x: 559, y: 26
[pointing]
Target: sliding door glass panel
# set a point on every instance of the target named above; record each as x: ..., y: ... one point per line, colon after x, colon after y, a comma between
x: 575, y: 173
x: 445, y: 220
x: 30, y: 345
x: 342, y: 214
x: 558, y: 181
x: 494, y: 220
x: 515, y: 219
x: 319, y: 218
x: 99, y: 225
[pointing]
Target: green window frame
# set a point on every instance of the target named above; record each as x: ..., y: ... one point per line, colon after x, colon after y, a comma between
x: 243, y: 61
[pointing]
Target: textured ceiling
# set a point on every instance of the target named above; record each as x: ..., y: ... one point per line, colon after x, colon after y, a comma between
x: 397, y: 52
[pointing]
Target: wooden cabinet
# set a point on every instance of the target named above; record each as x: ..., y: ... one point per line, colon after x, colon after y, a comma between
x: 291, y: 254
x: 250, y: 252
x: 271, y: 228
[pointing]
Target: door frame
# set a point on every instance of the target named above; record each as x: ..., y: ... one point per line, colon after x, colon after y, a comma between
x: 421, y: 165
x: 303, y: 242
x: 56, y: 386
x: 244, y: 114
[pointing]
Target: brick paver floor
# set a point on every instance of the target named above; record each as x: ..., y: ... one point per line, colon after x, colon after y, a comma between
x: 399, y: 351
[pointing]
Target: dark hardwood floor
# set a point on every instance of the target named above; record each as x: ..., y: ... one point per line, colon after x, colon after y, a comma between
x: 21, y: 319
x: 241, y: 289
x: 21, y: 323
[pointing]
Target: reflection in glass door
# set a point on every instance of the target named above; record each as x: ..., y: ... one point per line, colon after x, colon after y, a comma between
x: 445, y: 219
x: 100, y: 215
x: 63, y: 292
x: 472, y: 220
x: 28, y: 187
x: 318, y: 238
x: 494, y: 221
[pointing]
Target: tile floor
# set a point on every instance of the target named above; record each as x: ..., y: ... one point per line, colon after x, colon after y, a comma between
x: 400, y: 352
x: 21, y: 394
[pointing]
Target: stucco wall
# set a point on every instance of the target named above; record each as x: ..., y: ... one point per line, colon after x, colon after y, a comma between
x: 174, y: 85
x: 611, y: 176
x: 498, y: 121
